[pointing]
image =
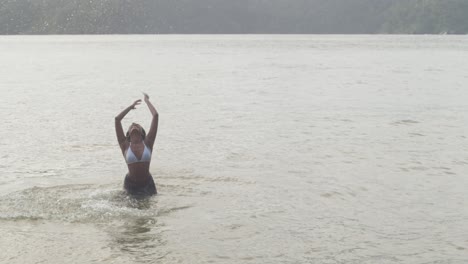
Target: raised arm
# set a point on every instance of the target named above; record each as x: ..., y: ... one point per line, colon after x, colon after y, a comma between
x: 118, y: 125
x: 151, y: 136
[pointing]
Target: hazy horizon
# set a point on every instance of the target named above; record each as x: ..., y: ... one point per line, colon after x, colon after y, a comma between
x: 76, y: 17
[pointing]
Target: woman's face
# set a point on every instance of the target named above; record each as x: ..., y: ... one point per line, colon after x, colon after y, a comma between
x: 135, y: 130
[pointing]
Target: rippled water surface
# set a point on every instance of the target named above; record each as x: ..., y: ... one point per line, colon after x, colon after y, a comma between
x: 271, y: 149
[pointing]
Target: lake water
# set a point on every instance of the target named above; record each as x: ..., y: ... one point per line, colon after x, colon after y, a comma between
x: 271, y: 149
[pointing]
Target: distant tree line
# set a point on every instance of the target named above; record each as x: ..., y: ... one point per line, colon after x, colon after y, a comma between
x: 233, y: 16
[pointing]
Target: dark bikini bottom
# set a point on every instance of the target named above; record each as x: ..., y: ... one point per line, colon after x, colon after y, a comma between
x: 139, y: 188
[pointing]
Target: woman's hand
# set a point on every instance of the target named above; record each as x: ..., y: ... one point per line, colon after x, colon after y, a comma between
x: 118, y: 125
x: 151, y: 136
x: 150, y: 105
x: 146, y: 97
x: 137, y: 102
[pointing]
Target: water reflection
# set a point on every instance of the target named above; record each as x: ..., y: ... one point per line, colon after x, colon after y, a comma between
x: 140, y: 238
x: 139, y: 202
x: 137, y: 236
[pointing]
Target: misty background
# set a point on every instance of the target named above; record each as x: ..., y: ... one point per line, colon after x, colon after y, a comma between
x: 231, y: 17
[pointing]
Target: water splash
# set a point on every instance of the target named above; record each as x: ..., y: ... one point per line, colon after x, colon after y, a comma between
x: 76, y: 203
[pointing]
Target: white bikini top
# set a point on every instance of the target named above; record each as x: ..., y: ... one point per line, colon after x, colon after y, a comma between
x: 130, y: 157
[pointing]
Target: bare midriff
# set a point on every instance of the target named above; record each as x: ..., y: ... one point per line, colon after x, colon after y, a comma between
x: 138, y: 172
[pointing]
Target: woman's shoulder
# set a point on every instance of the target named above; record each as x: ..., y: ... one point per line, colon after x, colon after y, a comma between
x: 124, y: 145
x: 148, y: 144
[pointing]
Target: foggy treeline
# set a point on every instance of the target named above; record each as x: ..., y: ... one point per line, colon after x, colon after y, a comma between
x: 233, y: 16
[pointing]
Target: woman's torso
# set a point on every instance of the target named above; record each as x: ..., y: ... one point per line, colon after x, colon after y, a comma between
x: 138, y: 158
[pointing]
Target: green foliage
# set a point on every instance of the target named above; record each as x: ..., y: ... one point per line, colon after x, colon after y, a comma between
x: 233, y: 16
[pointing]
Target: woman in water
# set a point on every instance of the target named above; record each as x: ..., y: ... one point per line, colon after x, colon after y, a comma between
x: 136, y: 148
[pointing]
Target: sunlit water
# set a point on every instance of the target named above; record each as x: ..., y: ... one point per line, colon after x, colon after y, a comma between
x: 271, y: 149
